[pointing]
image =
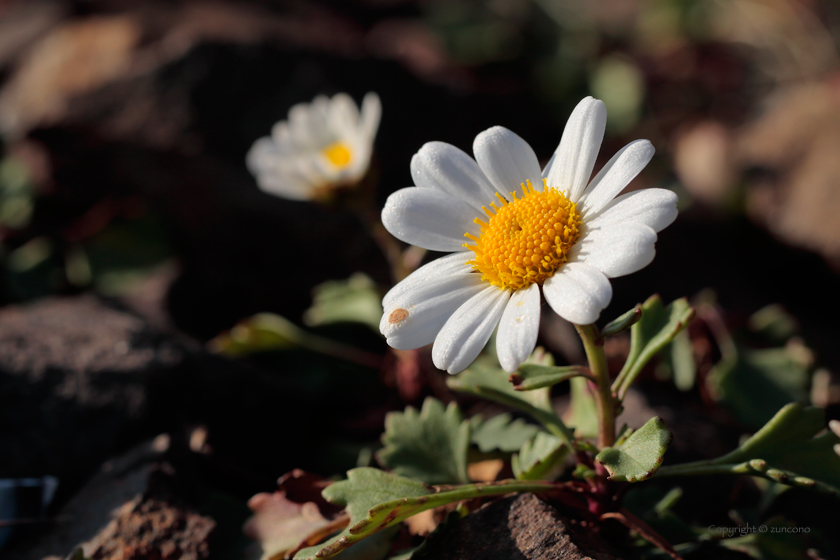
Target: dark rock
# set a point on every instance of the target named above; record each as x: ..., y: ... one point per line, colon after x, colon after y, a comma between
x: 516, y: 528
x: 74, y: 374
x: 83, y: 378
x: 119, y: 481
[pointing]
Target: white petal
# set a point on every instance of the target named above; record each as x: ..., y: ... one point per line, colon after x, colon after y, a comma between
x: 371, y: 115
x: 656, y: 208
x: 465, y: 333
x: 578, y: 293
x: 428, y: 275
x: 578, y: 149
x: 259, y: 157
x: 507, y: 160
x: 343, y: 115
x: 429, y: 218
x: 519, y: 327
x: 307, y: 124
x: 443, y: 166
x: 616, y: 174
x: 413, y: 317
x: 617, y: 250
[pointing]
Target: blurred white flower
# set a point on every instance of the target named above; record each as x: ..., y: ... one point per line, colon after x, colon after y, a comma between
x: 527, y: 230
x: 323, y: 145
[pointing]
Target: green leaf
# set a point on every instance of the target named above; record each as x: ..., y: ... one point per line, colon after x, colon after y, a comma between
x: 364, y: 488
x: 430, y: 445
x: 756, y: 383
x: 582, y: 414
x: 486, y: 379
x: 789, y: 443
x: 787, y: 450
x: 540, y: 458
x: 533, y: 376
x: 657, y: 327
x: 623, y: 322
x: 640, y: 455
x: 682, y: 362
x: 355, y: 300
x: 501, y: 432
x: 260, y: 333
x: 774, y: 323
x: 370, y: 497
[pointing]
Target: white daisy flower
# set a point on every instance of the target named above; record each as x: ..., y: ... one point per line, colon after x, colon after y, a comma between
x: 324, y: 145
x: 527, y: 233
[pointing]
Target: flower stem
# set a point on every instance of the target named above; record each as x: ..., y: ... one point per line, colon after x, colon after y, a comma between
x: 604, y: 402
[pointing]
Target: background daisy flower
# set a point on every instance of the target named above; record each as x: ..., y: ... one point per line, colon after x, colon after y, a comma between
x: 323, y: 145
x: 528, y: 232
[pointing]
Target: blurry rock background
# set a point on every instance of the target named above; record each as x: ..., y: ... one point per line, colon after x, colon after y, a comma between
x: 127, y: 212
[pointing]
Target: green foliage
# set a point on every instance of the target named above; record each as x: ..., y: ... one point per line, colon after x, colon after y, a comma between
x: 757, y: 383
x: 773, y: 544
x: 376, y: 501
x: 430, y: 445
x: 501, y: 432
x: 582, y: 415
x: 682, y: 362
x: 638, y: 457
x: 787, y: 449
x: 774, y: 323
x: 533, y: 376
x: 623, y: 322
x: 364, y: 488
x: 655, y: 329
x: 260, y: 333
x: 486, y: 379
x: 355, y: 300
x: 540, y: 458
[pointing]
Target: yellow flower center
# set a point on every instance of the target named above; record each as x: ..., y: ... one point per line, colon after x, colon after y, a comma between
x: 526, y: 240
x: 337, y: 153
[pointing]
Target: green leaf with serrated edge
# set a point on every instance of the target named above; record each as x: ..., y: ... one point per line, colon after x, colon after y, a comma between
x: 755, y: 384
x: 501, y: 432
x: 354, y: 300
x: 365, y: 485
x: 582, y: 414
x: 623, y: 322
x: 640, y: 455
x: 365, y: 488
x: 787, y: 450
x: 430, y: 445
x: 655, y: 329
x: 540, y: 458
x: 532, y: 376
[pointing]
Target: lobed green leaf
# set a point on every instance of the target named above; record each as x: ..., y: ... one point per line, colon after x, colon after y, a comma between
x: 640, y: 455
x: 430, y: 445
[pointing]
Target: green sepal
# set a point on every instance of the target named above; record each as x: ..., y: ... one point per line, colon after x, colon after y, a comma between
x: 532, y: 376
x: 623, y: 322
x: 640, y: 455
x: 430, y: 445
